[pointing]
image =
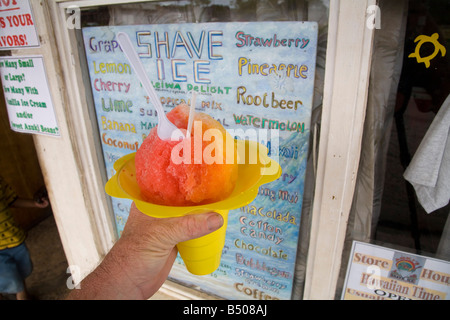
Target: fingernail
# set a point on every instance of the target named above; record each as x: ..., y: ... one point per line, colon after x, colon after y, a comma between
x: 214, y: 221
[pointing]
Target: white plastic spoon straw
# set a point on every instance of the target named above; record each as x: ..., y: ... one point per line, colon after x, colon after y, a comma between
x: 191, y: 114
x: 165, y: 127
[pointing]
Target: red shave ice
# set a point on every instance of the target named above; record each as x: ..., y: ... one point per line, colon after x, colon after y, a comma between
x: 164, y: 181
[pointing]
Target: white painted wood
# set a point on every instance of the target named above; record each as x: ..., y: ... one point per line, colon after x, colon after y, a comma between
x: 174, y: 291
x: 60, y: 162
x: 84, y: 135
x: 345, y: 95
x: 63, y: 4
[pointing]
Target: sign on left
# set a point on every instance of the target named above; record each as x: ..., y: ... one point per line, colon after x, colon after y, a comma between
x: 17, y: 25
x: 27, y: 95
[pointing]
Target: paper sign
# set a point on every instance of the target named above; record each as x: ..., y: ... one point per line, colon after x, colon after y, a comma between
x: 17, y: 25
x: 378, y: 273
x: 255, y: 78
x: 27, y: 96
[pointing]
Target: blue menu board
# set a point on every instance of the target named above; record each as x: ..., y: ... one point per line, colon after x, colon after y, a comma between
x: 256, y: 79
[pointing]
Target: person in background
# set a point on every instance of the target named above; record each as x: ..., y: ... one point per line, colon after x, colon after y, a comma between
x: 15, y: 262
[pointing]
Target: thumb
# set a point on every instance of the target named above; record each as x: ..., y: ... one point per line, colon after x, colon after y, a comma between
x: 192, y: 226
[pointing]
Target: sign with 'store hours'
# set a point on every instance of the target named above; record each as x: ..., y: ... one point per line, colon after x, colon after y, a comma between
x: 379, y: 273
x: 17, y: 27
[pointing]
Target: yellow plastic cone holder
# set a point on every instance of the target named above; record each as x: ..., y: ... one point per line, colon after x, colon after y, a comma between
x: 202, y: 255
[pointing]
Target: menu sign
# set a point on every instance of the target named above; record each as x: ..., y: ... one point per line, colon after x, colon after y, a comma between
x: 257, y: 80
x: 27, y: 95
x: 17, y: 27
x: 378, y: 273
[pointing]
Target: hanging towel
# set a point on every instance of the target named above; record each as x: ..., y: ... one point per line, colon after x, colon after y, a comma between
x: 429, y: 170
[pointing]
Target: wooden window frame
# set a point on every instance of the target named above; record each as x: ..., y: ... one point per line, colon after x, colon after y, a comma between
x: 73, y: 169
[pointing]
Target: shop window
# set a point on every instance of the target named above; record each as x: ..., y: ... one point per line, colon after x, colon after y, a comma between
x: 266, y: 246
x: 408, y: 103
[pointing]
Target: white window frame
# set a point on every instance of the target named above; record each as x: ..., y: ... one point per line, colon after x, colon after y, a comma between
x: 72, y: 164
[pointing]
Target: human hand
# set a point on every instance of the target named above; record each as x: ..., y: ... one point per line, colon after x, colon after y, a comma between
x: 41, y: 198
x: 140, y: 261
x: 42, y: 203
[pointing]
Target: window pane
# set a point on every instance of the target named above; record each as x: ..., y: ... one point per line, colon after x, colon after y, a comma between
x: 408, y: 100
x: 271, y: 80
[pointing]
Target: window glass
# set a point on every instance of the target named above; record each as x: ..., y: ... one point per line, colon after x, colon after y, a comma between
x: 256, y: 66
x: 399, y: 199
